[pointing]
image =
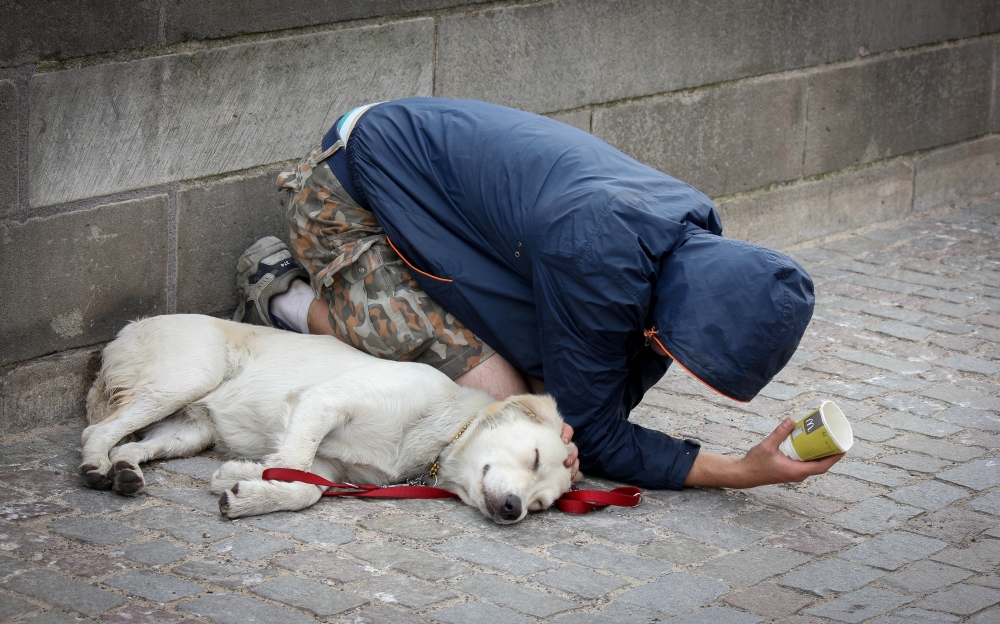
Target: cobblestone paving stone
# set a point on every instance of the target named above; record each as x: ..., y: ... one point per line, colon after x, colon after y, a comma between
x: 907, y: 529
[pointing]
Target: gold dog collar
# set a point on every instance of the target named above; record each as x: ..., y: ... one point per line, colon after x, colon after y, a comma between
x: 437, y: 462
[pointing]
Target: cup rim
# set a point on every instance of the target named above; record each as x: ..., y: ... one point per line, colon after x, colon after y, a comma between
x: 837, y: 425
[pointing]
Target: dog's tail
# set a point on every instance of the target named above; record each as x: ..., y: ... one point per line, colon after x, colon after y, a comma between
x: 113, y: 388
x: 97, y: 402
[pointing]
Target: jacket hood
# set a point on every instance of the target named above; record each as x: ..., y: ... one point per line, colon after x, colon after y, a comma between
x: 730, y: 312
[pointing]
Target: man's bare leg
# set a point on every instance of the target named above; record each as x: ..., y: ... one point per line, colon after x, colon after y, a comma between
x: 495, y: 376
x: 319, y: 318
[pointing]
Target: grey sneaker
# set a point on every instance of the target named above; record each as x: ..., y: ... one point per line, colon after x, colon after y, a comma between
x: 264, y: 270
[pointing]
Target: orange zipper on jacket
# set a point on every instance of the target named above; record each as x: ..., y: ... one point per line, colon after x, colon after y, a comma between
x: 403, y: 258
x: 651, y: 334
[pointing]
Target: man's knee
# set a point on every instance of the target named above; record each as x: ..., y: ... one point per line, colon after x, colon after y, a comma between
x: 495, y: 376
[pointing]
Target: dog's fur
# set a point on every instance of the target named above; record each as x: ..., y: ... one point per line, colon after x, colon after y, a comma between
x: 184, y: 382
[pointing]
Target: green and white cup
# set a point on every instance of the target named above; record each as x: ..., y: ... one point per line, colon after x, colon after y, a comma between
x: 823, y: 432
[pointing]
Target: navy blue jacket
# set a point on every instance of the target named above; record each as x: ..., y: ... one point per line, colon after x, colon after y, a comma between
x: 561, y: 250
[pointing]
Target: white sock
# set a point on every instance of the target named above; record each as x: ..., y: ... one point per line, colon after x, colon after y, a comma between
x: 292, y: 306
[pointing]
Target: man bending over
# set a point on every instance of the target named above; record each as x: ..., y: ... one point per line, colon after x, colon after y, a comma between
x: 575, y: 270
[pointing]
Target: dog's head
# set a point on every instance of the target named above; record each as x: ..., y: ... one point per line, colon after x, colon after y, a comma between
x: 510, y: 461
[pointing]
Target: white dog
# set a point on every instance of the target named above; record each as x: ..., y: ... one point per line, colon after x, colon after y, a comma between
x: 184, y: 382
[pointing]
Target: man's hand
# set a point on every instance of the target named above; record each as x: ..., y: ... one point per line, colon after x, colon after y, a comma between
x: 762, y: 465
x: 573, y: 461
x: 769, y: 465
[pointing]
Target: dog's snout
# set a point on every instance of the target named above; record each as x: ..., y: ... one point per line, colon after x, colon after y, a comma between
x: 511, y: 509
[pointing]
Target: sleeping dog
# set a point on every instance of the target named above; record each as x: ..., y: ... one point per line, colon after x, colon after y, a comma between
x: 171, y: 386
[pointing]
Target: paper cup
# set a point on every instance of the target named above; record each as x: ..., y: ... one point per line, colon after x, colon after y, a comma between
x: 823, y: 432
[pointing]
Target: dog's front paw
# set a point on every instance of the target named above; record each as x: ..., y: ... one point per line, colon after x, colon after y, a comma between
x: 226, y: 498
x: 253, y: 497
x: 243, y: 499
x: 127, y: 478
x: 95, y: 477
x: 232, y: 472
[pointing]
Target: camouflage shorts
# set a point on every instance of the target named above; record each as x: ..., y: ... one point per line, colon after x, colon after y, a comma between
x: 375, y: 304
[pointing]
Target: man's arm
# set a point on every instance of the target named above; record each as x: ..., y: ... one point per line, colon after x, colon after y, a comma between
x: 762, y: 465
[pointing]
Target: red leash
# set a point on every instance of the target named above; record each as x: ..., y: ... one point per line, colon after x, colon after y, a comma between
x: 575, y: 501
x: 353, y: 489
x: 583, y: 501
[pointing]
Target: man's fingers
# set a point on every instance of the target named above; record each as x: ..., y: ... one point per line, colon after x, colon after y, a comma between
x: 781, y: 432
x: 817, y: 466
x: 567, y: 433
x: 572, y: 458
x: 822, y: 465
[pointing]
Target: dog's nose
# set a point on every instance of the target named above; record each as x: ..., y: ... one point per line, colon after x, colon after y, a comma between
x: 511, y: 509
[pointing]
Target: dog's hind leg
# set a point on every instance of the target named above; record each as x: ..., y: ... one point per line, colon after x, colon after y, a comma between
x: 155, y: 367
x: 100, y: 438
x: 143, y: 410
x: 177, y: 436
x: 254, y: 496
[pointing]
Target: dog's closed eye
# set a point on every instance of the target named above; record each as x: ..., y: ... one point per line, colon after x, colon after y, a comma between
x: 538, y: 462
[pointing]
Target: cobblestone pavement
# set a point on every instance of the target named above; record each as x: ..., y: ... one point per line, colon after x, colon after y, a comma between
x: 906, y: 529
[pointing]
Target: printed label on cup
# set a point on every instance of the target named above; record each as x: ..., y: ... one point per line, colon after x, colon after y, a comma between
x: 823, y: 432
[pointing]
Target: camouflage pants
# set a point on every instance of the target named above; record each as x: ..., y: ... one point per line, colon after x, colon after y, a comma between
x: 375, y: 304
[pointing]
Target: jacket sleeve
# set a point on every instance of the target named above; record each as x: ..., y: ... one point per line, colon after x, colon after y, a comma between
x: 585, y: 320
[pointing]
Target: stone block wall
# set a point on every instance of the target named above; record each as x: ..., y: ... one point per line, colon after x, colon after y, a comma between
x: 139, y: 140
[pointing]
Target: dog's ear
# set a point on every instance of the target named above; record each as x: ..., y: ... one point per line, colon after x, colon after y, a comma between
x: 540, y: 408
